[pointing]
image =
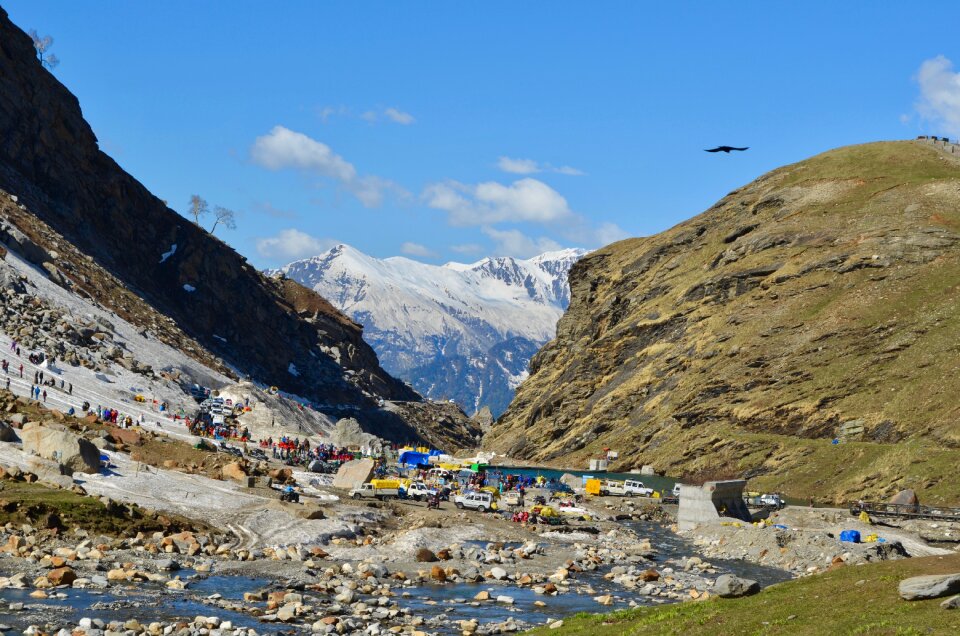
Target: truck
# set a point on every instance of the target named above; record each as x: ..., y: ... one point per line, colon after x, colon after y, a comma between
x: 419, y: 491
x: 605, y: 487
x: 376, y: 491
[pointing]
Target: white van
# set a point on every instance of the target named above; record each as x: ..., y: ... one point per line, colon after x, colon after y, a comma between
x: 634, y: 487
x: 676, y: 489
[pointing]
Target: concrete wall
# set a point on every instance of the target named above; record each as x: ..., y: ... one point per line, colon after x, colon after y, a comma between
x: 703, y: 504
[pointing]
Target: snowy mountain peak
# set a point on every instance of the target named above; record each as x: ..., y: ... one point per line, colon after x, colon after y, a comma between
x: 419, y: 317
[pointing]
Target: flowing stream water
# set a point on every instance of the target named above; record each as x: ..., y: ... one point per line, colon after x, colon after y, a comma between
x: 448, y: 603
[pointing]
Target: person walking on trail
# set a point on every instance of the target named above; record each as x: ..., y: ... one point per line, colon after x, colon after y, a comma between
x: 71, y: 389
x: 21, y: 370
x: 8, y: 383
x: 44, y: 395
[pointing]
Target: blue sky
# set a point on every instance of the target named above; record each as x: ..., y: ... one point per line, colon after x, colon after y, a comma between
x: 452, y: 131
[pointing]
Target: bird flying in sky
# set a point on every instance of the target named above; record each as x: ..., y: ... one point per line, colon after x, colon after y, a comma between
x: 726, y: 149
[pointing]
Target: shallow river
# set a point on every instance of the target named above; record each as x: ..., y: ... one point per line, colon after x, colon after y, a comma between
x: 148, y: 603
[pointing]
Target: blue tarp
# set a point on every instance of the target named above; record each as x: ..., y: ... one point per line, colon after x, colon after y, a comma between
x: 411, y: 458
x: 435, y: 453
x: 850, y: 536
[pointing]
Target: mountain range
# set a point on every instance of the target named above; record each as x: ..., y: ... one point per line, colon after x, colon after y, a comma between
x: 457, y: 331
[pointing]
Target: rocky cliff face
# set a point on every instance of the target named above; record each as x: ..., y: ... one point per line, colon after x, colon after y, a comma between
x: 110, y: 239
x: 817, y: 302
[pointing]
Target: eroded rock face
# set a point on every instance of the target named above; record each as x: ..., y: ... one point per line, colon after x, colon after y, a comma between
x: 274, y: 329
x: 811, y: 302
x: 62, y: 446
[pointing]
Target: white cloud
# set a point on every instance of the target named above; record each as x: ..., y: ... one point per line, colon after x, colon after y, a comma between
x: 529, y: 166
x: 283, y: 148
x: 490, y: 202
x: 415, y: 249
x: 516, y: 243
x: 399, y: 117
x: 940, y: 94
x: 518, y: 166
x: 371, y: 115
x: 291, y: 244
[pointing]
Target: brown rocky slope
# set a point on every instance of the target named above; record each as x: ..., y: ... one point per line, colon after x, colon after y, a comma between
x: 819, y: 299
x: 50, y: 159
x: 72, y: 211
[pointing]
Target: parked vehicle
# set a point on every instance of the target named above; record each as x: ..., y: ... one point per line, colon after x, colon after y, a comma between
x: 289, y: 494
x: 370, y: 490
x: 634, y: 487
x: 613, y: 488
x: 482, y: 501
x: 676, y: 489
x: 433, y: 501
x: 772, y: 501
x: 419, y: 491
x: 512, y: 498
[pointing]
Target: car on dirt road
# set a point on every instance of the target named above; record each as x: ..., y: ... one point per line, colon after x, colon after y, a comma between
x: 634, y: 487
x: 482, y: 501
x: 773, y: 501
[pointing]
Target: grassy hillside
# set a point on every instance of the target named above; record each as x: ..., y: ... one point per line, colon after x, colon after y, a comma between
x: 741, y: 342
x: 851, y: 600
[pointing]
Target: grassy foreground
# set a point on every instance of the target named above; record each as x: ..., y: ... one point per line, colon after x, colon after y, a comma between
x: 854, y: 600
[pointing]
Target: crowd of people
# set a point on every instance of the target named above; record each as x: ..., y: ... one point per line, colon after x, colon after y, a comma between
x: 205, y: 427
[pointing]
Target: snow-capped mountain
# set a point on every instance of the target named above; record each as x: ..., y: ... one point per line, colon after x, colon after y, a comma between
x: 456, y: 331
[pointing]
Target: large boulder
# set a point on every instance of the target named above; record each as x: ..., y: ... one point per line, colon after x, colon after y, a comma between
x: 7, y: 433
x: 17, y: 241
x: 730, y: 586
x: 349, y: 433
x: 62, y: 446
x: 235, y: 471
x: 929, y: 586
x: 352, y: 473
x: 905, y: 498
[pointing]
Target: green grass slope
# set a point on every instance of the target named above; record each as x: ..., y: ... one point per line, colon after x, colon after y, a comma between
x: 824, y: 294
x: 853, y: 600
